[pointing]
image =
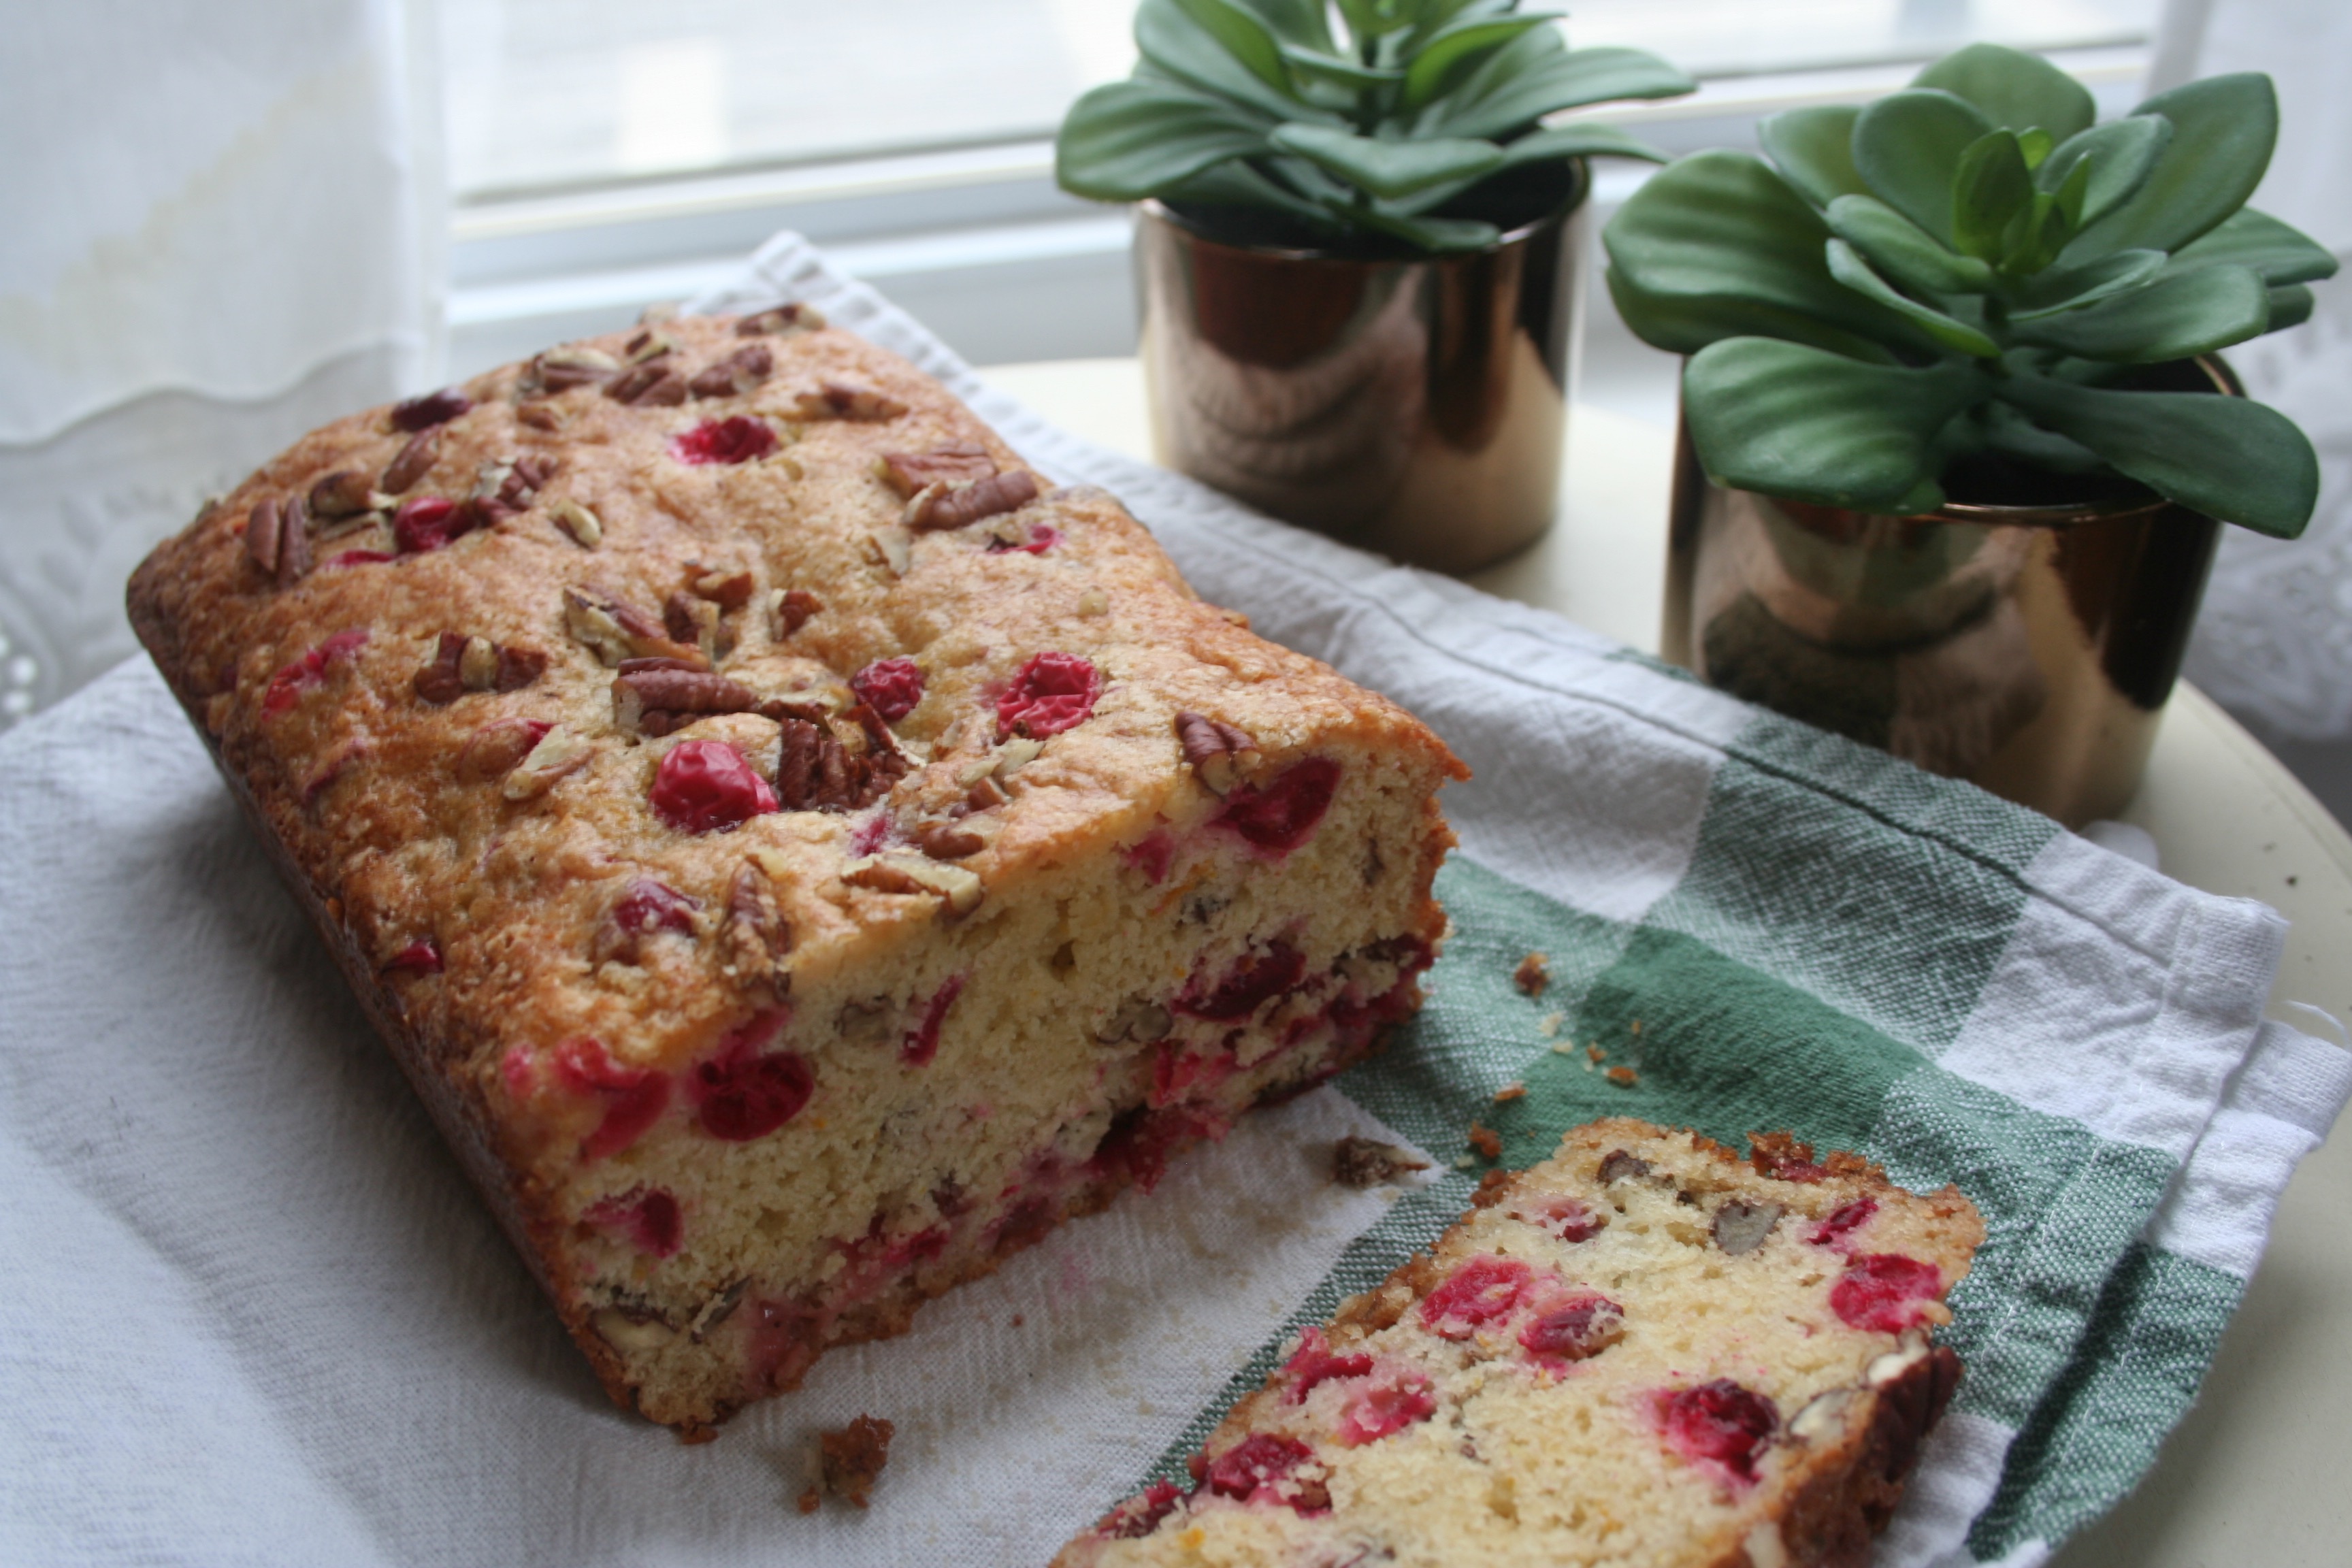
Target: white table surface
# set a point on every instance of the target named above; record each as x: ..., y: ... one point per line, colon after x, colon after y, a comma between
x: 2254, y: 1477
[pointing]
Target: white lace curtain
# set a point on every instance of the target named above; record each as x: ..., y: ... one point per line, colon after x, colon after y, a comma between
x: 226, y: 229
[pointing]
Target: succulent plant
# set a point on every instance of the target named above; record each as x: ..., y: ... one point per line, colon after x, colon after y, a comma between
x: 1414, y: 124
x: 1969, y: 276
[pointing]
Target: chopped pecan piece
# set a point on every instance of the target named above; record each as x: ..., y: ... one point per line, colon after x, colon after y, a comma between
x: 958, y: 462
x: 728, y: 588
x: 698, y: 621
x: 579, y: 524
x: 293, y: 542
x: 947, y: 840
x: 789, y: 610
x: 493, y: 750
x: 558, y: 754
x: 813, y: 770
x: 652, y: 384
x: 756, y: 934
x: 646, y: 346
x: 264, y: 527
x: 945, y: 504
x: 656, y: 701
x: 1219, y: 752
x: 783, y: 318
x: 736, y: 375
x: 891, y: 548
x: 422, y: 413
x: 345, y: 493
x: 462, y: 663
x: 412, y: 462
x: 614, y: 629
x: 840, y: 400
x: 958, y: 888
x: 562, y: 369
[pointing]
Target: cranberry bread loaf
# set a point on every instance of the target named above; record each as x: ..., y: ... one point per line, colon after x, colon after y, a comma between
x: 1641, y: 1351
x: 800, y: 855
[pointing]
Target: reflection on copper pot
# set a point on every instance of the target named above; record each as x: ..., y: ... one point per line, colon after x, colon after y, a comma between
x: 2029, y: 650
x: 1417, y: 407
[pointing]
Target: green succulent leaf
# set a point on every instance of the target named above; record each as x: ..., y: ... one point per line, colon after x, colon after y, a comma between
x: 1847, y: 266
x: 1339, y: 70
x: 2013, y: 90
x: 2007, y: 431
x: 1580, y: 140
x: 1388, y: 168
x: 2035, y: 235
x: 2120, y: 155
x: 2036, y: 143
x: 2229, y: 458
x: 1238, y: 185
x: 1499, y: 97
x: 1896, y: 248
x: 1129, y: 139
x: 1991, y: 188
x: 1441, y: 235
x: 1795, y: 421
x: 1301, y: 22
x: 2176, y: 316
x: 1171, y: 41
x: 1718, y: 245
x: 2054, y: 292
x: 1372, y: 18
x: 1907, y: 146
x: 1814, y: 150
x: 1241, y: 34
x: 2248, y: 238
x: 1451, y: 51
x: 2291, y: 306
x: 2223, y: 130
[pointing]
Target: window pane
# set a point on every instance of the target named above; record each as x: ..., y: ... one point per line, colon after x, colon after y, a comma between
x: 558, y: 92
x: 1723, y: 38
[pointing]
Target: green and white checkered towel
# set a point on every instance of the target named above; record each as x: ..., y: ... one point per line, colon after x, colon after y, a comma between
x: 257, y: 1317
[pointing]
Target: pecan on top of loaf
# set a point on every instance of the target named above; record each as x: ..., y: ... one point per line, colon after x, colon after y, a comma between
x: 628, y: 681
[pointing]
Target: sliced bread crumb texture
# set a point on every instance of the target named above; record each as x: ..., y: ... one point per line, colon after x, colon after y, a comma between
x: 1644, y: 1351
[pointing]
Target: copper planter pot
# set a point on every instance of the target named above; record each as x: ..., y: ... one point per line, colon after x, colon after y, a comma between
x: 2029, y: 650
x: 1414, y: 407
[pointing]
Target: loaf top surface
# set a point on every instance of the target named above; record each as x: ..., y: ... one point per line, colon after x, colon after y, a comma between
x: 470, y: 658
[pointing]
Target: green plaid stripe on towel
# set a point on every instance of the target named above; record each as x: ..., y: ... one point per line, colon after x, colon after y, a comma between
x: 257, y: 1316
x: 1772, y: 928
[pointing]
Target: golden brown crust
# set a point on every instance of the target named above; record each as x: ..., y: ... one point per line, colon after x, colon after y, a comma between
x: 377, y: 773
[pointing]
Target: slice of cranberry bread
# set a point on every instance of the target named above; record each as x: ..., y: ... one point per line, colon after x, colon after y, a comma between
x: 800, y: 855
x: 1641, y: 1351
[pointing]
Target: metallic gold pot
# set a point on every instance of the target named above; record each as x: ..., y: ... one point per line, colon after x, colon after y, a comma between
x: 2029, y: 650
x: 1414, y: 406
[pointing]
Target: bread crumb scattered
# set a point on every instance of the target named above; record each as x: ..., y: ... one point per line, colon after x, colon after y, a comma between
x: 1368, y: 1163
x: 1486, y: 1141
x: 1551, y: 1023
x: 1563, y: 1048
x: 1533, y: 974
x: 1637, y: 1025
x: 851, y: 1459
x: 1623, y: 1077
x: 1595, y: 1055
x: 1511, y: 1091
x: 1466, y: 1162
x: 1016, y: 1320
